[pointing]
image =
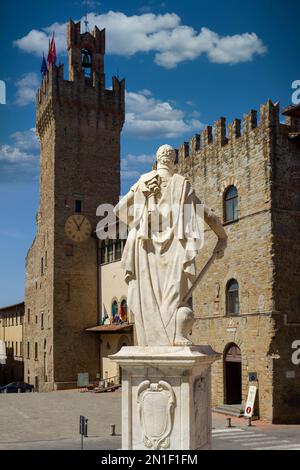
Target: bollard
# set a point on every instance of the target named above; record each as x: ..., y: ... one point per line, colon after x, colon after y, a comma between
x: 112, y: 429
x: 83, y: 429
x: 229, y: 422
x: 249, y: 421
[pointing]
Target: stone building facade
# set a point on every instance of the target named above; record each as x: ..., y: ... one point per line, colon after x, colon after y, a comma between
x: 79, y: 123
x: 11, y: 336
x: 248, y: 305
x: 116, y: 328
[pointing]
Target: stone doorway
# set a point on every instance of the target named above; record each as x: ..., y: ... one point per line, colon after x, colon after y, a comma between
x: 233, y: 375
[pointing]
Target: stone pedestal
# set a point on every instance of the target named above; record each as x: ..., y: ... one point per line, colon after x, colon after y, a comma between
x: 166, y: 397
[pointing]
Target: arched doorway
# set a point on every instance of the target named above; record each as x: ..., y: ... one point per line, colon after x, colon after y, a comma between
x: 233, y: 375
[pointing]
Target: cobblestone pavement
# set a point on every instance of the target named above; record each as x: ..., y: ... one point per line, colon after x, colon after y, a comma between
x: 50, y: 421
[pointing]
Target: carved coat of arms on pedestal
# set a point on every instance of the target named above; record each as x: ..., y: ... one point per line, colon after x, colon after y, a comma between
x: 156, y: 408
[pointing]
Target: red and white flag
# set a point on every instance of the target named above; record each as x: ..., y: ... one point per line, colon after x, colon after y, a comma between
x: 52, y: 52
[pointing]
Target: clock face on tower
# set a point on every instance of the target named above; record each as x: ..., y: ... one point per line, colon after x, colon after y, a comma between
x: 78, y: 228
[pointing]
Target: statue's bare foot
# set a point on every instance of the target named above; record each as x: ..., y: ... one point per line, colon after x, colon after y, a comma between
x: 182, y: 341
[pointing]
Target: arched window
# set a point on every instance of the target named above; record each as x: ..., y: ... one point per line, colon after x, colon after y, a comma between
x: 231, y: 205
x: 232, y: 298
x: 87, y: 63
x: 114, y: 312
x: 123, y: 311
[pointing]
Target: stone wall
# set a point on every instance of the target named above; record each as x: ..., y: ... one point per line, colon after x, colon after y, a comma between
x: 250, y: 157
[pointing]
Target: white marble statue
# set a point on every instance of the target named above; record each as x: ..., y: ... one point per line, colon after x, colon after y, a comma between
x: 161, y: 210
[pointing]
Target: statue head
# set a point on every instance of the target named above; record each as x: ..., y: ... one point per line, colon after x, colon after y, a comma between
x: 166, y: 156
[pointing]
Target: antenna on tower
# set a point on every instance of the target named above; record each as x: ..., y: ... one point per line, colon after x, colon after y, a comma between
x: 86, y: 22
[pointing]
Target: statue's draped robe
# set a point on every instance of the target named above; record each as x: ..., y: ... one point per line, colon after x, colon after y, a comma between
x: 161, y: 268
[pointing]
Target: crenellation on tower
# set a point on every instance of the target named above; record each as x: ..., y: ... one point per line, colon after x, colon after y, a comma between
x: 195, y: 144
x: 215, y: 137
x: 250, y: 121
x: 234, y: 131
x: 269, y: 115
x: 219, y: 132
x: 184, y: 151
x: 207, y: 136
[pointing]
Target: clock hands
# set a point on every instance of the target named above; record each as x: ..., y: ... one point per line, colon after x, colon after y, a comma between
x: 77, y: 226
x: 80, y: 225
x: 83, y: 219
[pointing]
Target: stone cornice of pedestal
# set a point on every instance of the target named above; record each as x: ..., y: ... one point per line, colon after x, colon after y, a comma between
x: 186, y: 356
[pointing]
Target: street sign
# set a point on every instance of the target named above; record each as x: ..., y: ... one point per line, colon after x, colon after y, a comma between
x: 249, y: 408
x: 83, y: 428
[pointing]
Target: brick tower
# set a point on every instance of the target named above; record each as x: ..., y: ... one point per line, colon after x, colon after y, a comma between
x: 79, y: 123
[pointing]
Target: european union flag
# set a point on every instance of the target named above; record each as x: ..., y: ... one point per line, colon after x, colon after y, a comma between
x: 44, y: 68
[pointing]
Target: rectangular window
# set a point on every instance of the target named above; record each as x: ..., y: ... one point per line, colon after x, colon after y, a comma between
x: 103, y: 252
x: 78, y: 206
x: 21, y: 349
x: 28, y: 350
x: 16, y: 349
x: 69, y: 250
x: 42, y: 266
x: 35, y: 351
x: 42, y: 321
x: 28, y: 315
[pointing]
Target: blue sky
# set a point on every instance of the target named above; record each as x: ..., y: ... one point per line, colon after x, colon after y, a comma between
x: 185, y: 63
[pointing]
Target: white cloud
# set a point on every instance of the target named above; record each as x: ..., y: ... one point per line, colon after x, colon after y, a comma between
x: 237, y: 48
x: 26, y: 89
x: 19, y: 160
x: 141, y: 159
x: 92, y: 3
x: 163, y: 34
x: 148, y: 117
x: 10, y: 154
x: 132, y: 166
x: 26, y: 140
